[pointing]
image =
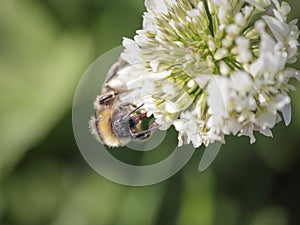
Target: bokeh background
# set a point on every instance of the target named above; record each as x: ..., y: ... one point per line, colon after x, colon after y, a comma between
x: 45, y: 47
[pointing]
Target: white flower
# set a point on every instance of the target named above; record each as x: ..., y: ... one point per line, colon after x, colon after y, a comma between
x: 213, y: 68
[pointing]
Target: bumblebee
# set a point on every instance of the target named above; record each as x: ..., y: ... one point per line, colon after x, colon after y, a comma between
x: 116, y: 123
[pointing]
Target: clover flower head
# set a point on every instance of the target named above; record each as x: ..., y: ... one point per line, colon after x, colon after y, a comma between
x: 213, y: 68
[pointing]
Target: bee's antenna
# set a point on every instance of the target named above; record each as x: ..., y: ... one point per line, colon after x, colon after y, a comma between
x: 126, y: 117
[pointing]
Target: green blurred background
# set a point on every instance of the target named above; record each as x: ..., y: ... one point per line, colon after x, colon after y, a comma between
x: 45, y: 47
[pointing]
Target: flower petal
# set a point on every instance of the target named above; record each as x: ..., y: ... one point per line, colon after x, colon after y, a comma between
x: 287, y: 114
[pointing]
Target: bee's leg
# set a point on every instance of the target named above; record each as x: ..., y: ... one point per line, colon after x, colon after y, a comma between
x: 114, y: 69
x: 146, y: 133
x: 103, y: 99
x: 126, y: 104
x: 109, y: 89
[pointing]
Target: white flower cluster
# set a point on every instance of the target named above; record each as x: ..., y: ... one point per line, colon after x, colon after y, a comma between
x: 213, y: 68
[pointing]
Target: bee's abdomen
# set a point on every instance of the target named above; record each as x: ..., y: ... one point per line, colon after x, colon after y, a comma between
x: 105, y: 130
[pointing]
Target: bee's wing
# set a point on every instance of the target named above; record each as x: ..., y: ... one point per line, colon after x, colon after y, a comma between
x: 114, y: 69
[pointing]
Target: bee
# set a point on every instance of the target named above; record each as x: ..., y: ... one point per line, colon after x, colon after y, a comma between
x: 116, y: 123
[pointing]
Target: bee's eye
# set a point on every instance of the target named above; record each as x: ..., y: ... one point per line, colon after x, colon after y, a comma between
x: 132, y: 122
